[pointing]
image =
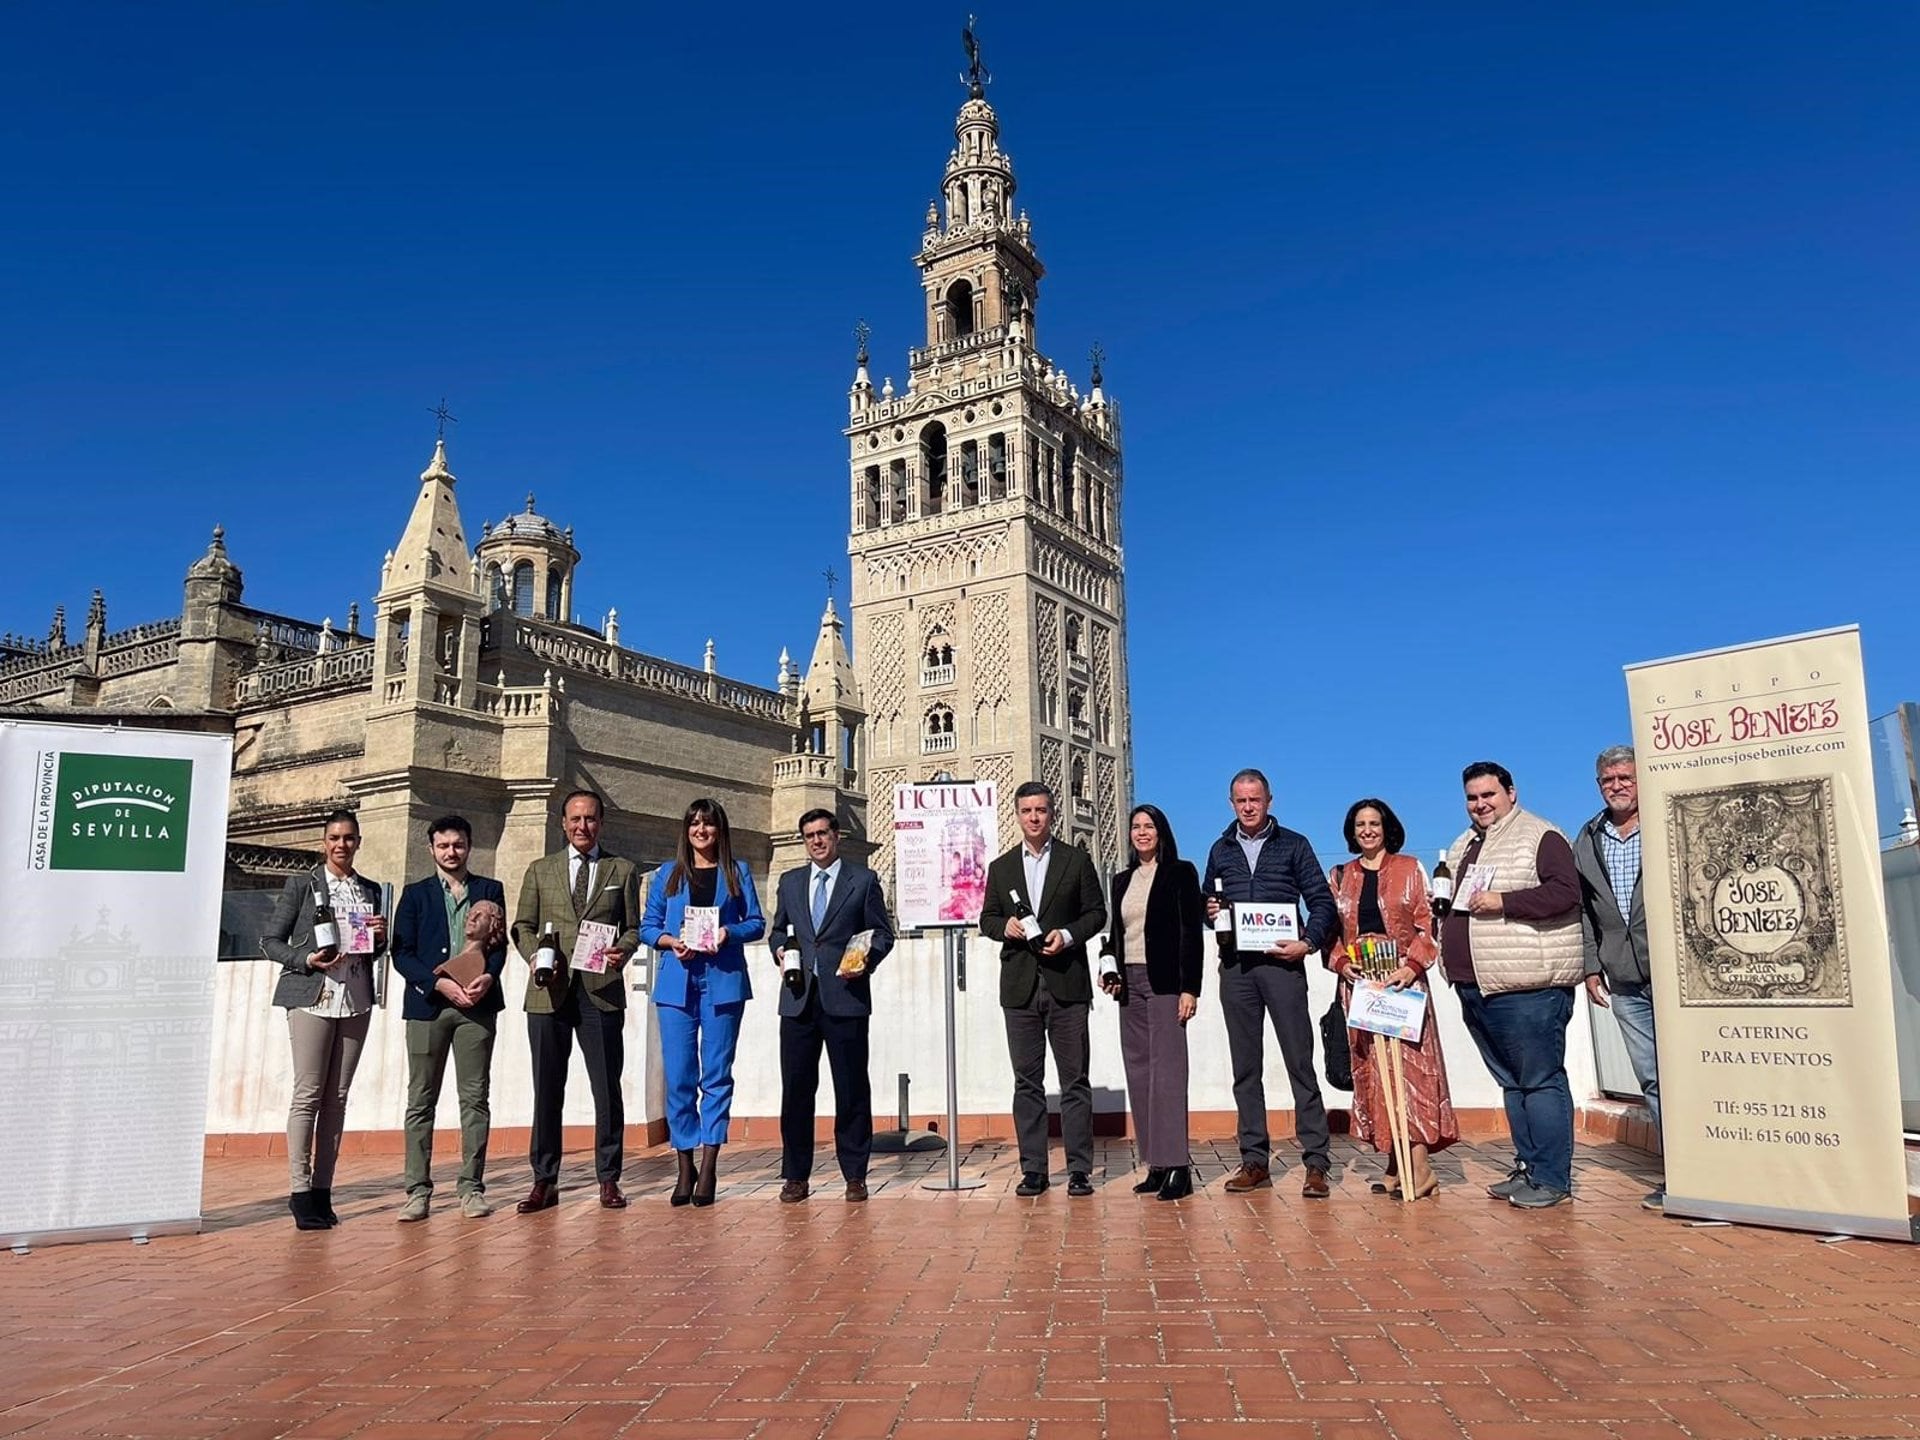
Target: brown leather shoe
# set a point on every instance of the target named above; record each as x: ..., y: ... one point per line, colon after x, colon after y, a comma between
x: 1315, y: 1186
x: 792, y: 1192
x: 856, y: 1191
x: 610, y: 1196
x: 542, y: 1197
x: 1247, y: 1177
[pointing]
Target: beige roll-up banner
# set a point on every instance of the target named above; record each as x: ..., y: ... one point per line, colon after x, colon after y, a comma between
x: 1772, y: 980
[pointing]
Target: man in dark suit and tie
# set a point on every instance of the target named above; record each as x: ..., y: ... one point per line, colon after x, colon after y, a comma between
x: 580, y: 883
x: 444, y: 1015
x: 822, y: 906
x: 1046, y: 989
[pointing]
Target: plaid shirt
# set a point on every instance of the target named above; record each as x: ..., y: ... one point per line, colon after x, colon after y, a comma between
x: 1622, y: 857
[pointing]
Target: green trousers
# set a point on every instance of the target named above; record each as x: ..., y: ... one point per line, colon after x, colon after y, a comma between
x: 469, y: 1037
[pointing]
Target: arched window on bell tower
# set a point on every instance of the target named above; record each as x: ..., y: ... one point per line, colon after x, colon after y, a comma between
x: 523, y: 588
x: 933, y: 465
x: 553, y: 596
x: 959, y: 309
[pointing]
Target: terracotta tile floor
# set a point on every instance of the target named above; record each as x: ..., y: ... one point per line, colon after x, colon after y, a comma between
x: 922, y: 1313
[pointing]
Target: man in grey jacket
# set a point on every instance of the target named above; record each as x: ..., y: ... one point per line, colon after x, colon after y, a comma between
x: 1614, y: 922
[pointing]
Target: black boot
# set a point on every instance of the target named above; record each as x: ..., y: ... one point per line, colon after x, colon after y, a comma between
x: 306, y: 1214
x: 683, y: 1181
x: 323, y: 1206
x: 709, y: 1166
x: 1179, y: 1183
x: 1156, y: 1177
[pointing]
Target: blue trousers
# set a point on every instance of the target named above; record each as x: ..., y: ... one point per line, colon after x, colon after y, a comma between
x: 1633, y: 1013
x: 697, y: 1042
x: 1522, y: 1035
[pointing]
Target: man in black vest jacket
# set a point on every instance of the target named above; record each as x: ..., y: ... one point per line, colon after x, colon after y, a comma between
x: 1046, y: 989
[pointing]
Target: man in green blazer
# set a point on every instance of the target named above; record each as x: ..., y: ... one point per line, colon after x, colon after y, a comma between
x: 580, y: 883
x: 1046, y: 989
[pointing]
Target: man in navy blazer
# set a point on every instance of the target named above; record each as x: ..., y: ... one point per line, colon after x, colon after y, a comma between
x: 822, y: 906
x: 442, y: 1015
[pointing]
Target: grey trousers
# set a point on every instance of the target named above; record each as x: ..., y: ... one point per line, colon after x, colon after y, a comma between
x: 469, y: 1039
x: 326, y: 1052
x: 1250, y: 994
x: 1031, y: 1028
x: 1153, y: 1045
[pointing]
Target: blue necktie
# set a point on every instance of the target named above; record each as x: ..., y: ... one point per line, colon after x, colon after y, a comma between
x: 819, y: 900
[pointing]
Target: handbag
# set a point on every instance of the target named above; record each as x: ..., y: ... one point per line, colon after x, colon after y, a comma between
x: 1333, y: 1036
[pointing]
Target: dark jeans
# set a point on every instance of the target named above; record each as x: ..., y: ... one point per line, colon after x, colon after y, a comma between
x: 468, y: 1037
x: 603, y: 1048
x: 844, y: 1037
x: 1522, y: 1035
x: 1250, y: 995
x: 1031, y: 1028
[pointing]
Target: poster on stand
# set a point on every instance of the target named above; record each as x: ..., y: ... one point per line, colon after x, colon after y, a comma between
x: 1766, y: 923
x: 943, y: 840
x: 112, y: 854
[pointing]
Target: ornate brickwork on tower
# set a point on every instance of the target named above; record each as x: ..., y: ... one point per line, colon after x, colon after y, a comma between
x: 988, y: 603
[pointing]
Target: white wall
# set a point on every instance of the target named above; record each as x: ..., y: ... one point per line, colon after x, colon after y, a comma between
x: 252, y: 1072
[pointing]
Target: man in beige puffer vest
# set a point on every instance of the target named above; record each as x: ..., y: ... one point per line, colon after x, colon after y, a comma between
x: 1511, y: 945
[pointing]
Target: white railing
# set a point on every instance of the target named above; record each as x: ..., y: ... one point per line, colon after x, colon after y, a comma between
x: 938, y: 744
x: 932, y: 676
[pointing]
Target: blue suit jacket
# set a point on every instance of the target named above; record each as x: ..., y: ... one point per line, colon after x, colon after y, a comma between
x: 726, y: 970
x: 856, y: 904
x: 420, y: 942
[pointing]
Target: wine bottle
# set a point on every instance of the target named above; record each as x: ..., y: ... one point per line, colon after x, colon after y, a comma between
x: 1023, y: 912
x: 546, y: 960
x: 326, y: 929
x: 1223, y: 921
x: 790, y: 972
x: 1110, y: 969
x: 1442, y: 886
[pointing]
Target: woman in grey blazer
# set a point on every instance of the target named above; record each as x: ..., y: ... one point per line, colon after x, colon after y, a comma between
x: 329, y: 1005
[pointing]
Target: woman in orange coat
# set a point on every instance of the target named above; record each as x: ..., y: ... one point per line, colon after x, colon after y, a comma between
x: 1384, y: 893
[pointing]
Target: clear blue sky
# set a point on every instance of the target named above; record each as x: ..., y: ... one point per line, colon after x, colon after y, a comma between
x: 1466, y: 353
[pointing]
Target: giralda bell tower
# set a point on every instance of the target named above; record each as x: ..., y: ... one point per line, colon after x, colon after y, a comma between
x: 989, y: 609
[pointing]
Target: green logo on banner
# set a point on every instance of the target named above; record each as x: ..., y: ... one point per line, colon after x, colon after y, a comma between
x: 120, y: 812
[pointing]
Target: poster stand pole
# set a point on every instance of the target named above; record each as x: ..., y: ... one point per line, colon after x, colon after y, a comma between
x: 953, y: 943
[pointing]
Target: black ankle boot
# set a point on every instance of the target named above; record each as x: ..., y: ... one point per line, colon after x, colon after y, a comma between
x: 323, y: 1206
x: 306, y: 1214
x: 1156, y: 1177
x: 1179, y: 1183
x: 709, y: 1167
x: 683, y: 1180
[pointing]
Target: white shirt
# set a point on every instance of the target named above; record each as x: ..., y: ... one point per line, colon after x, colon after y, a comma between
x: 1035, y: 863
x: 574, y: 861
x: 347, y: 989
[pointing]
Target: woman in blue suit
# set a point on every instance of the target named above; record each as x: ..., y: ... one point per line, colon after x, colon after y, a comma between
x: 701, y: 993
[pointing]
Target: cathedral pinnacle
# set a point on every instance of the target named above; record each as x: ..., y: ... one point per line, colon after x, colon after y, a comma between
x: 437, y: 467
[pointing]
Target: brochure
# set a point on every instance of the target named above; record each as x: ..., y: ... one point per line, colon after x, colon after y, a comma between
x: 590, y: 949
x: 700, y: 930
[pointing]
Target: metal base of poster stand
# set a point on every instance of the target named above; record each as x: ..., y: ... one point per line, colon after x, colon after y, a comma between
x: 954, y: 942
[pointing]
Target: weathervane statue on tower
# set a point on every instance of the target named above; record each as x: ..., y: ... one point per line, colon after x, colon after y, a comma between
x: 976, y: 77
